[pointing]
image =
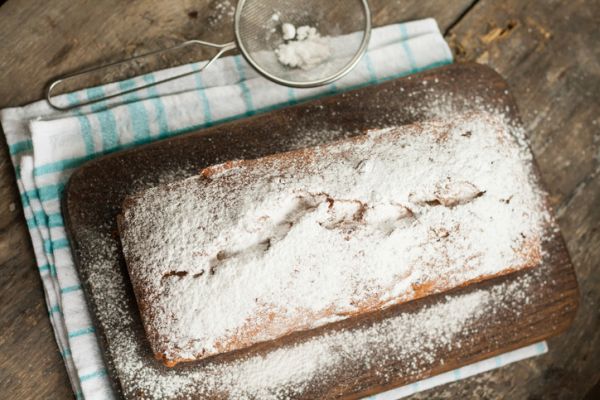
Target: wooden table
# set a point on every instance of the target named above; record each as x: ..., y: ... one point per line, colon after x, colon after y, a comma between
x: 547, y: 50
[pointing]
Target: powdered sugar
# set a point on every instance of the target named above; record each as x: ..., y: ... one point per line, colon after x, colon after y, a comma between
x: 360, y: 226
x: 304, y: 47
x: 221, y: 12
x: 417, y: 338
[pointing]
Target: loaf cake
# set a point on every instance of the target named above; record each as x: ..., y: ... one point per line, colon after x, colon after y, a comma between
x: 249, y: 251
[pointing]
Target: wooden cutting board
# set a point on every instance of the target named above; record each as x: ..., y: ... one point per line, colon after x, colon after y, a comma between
x: 95, y: 191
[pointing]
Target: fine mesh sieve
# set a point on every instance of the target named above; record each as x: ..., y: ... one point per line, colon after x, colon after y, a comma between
x: 343, y: 25
x: 258, y: 33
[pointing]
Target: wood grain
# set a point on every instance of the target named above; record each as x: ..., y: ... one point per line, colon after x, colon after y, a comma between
x: 550, y: 59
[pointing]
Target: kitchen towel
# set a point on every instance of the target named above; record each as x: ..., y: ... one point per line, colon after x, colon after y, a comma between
x: 46, y: 146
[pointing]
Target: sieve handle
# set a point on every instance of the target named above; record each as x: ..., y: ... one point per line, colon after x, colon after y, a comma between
x: 222, y: 48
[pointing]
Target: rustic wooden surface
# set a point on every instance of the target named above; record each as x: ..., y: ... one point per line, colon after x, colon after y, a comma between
x: 546, y: 49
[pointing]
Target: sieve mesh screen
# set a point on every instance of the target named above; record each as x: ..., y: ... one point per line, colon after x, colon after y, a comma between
x: 344, y: 25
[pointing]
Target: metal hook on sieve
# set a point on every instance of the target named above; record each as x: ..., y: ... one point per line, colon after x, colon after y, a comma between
x: 223, y: 48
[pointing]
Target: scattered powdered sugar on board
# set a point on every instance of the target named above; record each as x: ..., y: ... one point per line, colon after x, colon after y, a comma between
x: 418, y: 338
x: 365, y: 224
x: 139, y: 376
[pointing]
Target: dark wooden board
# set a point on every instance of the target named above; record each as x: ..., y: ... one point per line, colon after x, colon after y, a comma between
x: 94, y: 194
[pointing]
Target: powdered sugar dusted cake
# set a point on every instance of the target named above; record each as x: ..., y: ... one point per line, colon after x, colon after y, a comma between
x: 249, y: 251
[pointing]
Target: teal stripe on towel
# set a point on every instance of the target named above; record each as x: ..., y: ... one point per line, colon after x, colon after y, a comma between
x: 333, y: 88
x: 60, y: 244
x: 85, y: 127
x: 108, y: 124
x: 48, y: 267
x: 81, y: 332
x: 370, y: 68
x: 406, y: 46
x: 43, y: 268
x: 20, y: 147
x: 70, y: 289
x: 51, y: 245
x: 50, y: 192
x: 498, y: 361
x: 246, y: 95
x: 40, y: 219
x: 137, y: 111
x: 61, y: 165
x: 161, y: 115
x: 45, y: 193
x: 55, y: 220
x: 54, y: 309
x: 541, y: 347
x: 291, y: 96
x: 92, y: 375
x: 202, y: 93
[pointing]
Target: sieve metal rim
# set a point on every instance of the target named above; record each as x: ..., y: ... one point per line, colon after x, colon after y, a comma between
x: 307, y: 84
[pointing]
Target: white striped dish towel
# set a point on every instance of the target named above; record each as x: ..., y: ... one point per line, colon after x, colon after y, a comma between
x: 46, y: 146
